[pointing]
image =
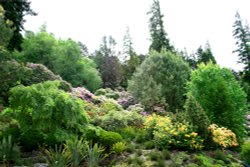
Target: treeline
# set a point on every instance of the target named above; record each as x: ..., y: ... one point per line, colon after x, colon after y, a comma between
x: 105, y: 67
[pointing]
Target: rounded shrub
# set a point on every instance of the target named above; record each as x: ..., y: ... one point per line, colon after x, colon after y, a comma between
x: 220, y: 95
x: 109, y: 138
x: 160, y: 81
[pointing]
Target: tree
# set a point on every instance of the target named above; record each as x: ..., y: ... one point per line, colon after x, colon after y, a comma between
x: 63, y: 57
x: 5, y: 35
x: 108, y: 63
x: 160, y: 81
x: 156, y: 29
x: 189, y: 58
x: 15, y: 11
x: 131, y: 59
x: 242, y: 35
x: 220, y: 95
x: 205, y: 55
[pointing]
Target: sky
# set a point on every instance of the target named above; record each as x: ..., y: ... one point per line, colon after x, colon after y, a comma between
x: 188, y: 23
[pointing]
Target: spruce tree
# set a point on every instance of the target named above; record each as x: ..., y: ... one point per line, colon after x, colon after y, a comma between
x: 242, y: 35
x: 205, y: 55
x: 156, y: 28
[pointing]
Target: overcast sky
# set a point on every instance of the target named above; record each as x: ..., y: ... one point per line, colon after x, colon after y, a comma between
x: 189, y: 23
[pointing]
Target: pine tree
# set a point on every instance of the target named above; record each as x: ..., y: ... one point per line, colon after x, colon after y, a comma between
x: 156, y: 28
x: 242, y: 35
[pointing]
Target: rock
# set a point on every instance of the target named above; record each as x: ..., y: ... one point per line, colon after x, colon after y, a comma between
x: 40, y: 165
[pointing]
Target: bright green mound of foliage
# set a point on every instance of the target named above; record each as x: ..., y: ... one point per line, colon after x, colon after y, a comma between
x: 63, y: 57
x: 160, y: 81
x: 46, y: 111
x: 220, y: 95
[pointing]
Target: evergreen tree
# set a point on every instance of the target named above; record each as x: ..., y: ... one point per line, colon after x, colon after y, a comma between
x: 242, y: 35
x: 156, y: 28
x: 131, y: 59
x: 189, y: 58
x: 205, y: 55
x: 15, y: 11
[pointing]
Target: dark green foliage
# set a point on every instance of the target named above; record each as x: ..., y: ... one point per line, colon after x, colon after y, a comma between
x: 13, y: 73
x: 156, y: 29
x: 205, y: 55
x: 15, y: 11
x: 40, y: 73
x: 245, y: 152
x: 6, y: 32
x: 44, y: 109
x: 197, y: 116
x: 32, y: 139
x: 63, y: 57
x: 149, y: 145
x: 9, y: 151
x: 160, y: 81
x: 221, y: 97
x: 155, y: 155
x: 242, y: 35
x: 220, y: 155
x: 108, y: 63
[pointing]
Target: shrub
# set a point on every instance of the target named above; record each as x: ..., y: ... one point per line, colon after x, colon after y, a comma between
x: 9, y: 151
x: 105, y: 138
x: 160, y: 81
x: 138, y: 108
x: 32, y: 139
x: 126, y: 99
x: 110, y: 105
x: 168, y: 134
x: 108, y: 138
x: 128, y: 132
x: 203, y: 160
x: 222, y: 136
x: 9, y: 127
x: 82, y: 93
x: 197, y: 116
x: 46, y: 109
x: 245, y: 152
x: 13, y: 73
x: 109, y: 93
x: 220, y: 95
x: 149, y: 145
x: 116, y: 120
x: 220, y: 155
x: 118, y: 147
